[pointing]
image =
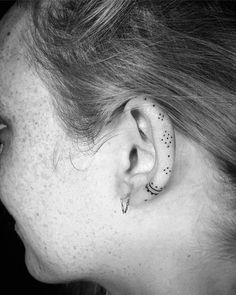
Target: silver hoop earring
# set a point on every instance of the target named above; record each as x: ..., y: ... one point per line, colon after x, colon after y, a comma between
x: 124, y: 204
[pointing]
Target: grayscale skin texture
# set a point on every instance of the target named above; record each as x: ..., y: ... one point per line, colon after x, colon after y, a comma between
x: 69, y: 216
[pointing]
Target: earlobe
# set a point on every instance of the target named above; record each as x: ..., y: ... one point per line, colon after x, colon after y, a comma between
x: 158, y: 130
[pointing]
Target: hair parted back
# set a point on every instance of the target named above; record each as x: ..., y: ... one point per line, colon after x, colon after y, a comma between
x: 97, y: 55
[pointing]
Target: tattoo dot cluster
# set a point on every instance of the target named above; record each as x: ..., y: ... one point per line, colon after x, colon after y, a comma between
x: 167, y: 170
x: 161, y: 117
x: 167, y: 139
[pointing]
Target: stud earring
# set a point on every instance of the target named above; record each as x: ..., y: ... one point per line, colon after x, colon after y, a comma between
x: 125, y: 204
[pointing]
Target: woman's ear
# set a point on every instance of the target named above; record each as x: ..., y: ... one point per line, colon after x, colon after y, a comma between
x: 149, y: 152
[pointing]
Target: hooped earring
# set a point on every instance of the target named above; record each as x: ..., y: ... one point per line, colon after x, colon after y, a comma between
x: 125, y: 204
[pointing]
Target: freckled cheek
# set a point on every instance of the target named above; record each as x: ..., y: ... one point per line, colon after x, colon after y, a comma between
x: 23, y: 182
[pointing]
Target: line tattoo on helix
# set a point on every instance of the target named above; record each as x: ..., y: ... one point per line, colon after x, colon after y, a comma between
x: 153, y: 190
x: 167, y: 140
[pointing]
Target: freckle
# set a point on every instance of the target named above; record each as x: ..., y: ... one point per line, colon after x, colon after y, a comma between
x: 9, y: 33
x: 37, y: 214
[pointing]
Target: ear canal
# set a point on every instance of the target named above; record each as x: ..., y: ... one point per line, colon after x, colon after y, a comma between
x: 164, y: 139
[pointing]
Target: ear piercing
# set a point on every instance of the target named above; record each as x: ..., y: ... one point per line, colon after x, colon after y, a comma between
x: 125, y: 204
x: 165, y: 147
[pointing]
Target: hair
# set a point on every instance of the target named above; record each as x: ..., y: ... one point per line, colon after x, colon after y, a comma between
x: 97, y: 55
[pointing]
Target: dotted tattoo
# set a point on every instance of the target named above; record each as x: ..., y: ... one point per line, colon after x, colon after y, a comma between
x: 167, y: 170
x: 161, y: 117
x: 167, y: 139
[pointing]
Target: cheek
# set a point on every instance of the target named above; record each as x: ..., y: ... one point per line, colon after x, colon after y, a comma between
x: 22, y: 181
x: 43, y: 206
x: 57, y: 215
x: 28, y: 189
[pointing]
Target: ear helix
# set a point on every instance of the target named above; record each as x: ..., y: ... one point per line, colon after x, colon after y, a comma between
x: 164, y: 142
x: 165, y: 148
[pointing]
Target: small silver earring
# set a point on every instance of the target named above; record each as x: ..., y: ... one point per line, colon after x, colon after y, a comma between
x: 124, y: 204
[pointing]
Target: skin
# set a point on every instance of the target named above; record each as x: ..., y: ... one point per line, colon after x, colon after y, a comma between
x: 66, y: 203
